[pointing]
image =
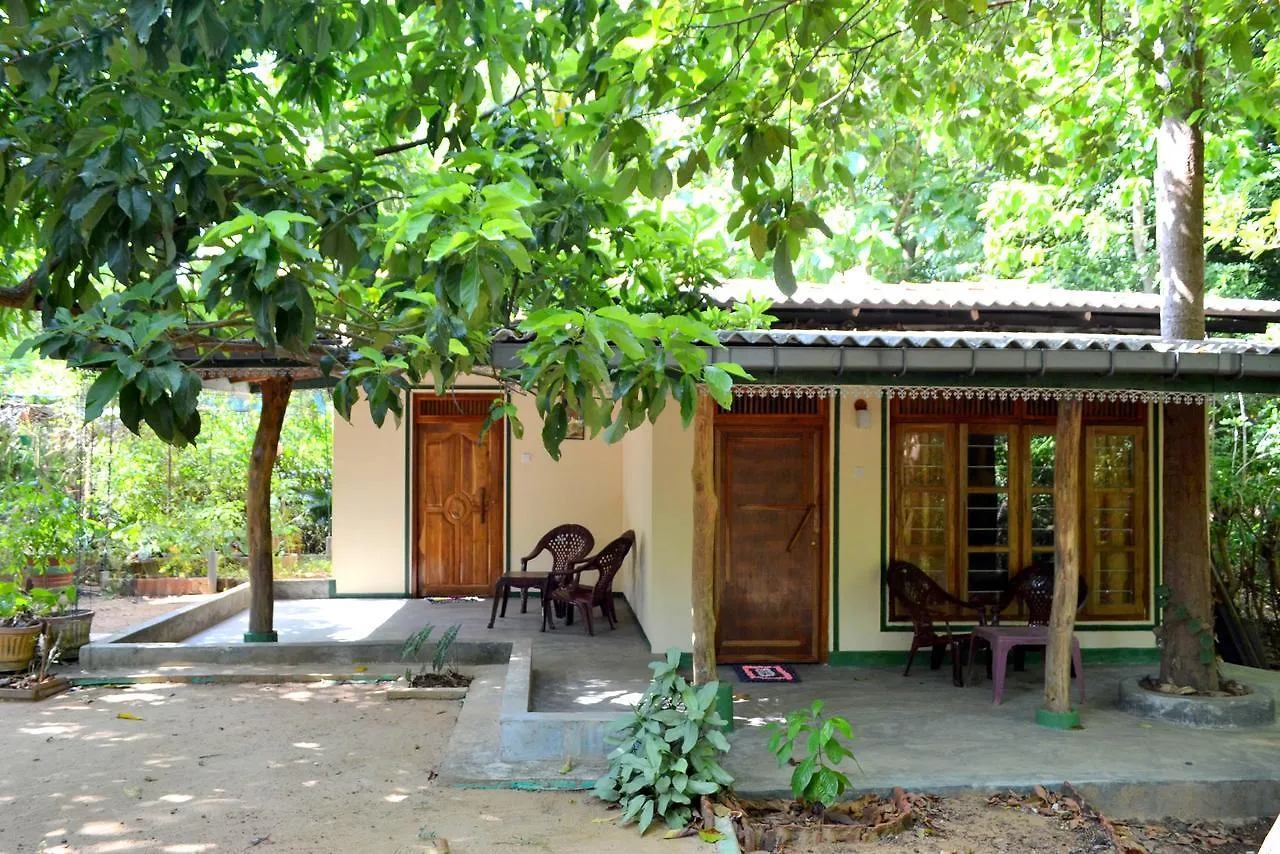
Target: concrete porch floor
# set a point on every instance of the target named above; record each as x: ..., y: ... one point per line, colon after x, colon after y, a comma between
x: 572, y: 671
x: 923, y: 733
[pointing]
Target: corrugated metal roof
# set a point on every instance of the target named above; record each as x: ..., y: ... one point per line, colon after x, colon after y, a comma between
x: 989, y: 341
x: 967, y: 340
x: 852, y: 292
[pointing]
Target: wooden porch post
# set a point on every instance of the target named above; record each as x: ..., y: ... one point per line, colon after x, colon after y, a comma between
x: 705, y: 510
x: 275, y: 400
x: 1057, y: 711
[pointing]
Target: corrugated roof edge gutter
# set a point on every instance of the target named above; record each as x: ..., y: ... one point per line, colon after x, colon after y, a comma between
x: 1226, y: 371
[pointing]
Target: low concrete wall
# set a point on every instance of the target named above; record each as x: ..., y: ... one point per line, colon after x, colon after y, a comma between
x: 526, y: 735
x: 178, y: 625
x: 301, y: 588
x: 133, y: 656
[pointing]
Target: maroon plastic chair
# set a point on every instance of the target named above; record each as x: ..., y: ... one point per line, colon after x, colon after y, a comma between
x: 567, y: 589
x: 567, y: 544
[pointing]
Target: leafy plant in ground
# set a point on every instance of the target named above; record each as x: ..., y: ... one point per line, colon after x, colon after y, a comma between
x: 815, y: 779
x: 668, y: 750
x: 413, y: 645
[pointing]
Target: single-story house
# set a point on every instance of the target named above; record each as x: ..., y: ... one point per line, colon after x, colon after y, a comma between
x: 906, y: 422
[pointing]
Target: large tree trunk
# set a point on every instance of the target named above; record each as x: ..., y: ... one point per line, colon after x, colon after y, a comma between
x: 705, y: 512
x: 1188, y: 614
x: 1066, y: 565
x: 275, y: 400
x: 1188, y: 655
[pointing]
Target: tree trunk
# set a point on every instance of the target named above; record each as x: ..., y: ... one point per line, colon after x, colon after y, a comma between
x: 1180, y: 226
x: 1188, y: 655
x: 1066, y: 543
x: 705, y: 511
x: 1188, y: 613
x: 275, y: 400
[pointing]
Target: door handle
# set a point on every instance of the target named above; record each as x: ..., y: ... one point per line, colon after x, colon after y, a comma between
x: 484, y: 504
x: 808, y: 511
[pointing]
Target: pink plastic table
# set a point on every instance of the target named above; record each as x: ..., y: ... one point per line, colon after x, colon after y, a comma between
x: 1005, y: 638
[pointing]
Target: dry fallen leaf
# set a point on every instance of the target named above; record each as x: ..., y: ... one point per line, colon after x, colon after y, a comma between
x: 128, y: 716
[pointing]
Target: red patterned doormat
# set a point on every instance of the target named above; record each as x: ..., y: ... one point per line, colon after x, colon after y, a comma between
x: 765, y: 673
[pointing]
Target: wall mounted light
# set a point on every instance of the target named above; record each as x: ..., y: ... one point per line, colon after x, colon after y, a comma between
x: 861, y: 414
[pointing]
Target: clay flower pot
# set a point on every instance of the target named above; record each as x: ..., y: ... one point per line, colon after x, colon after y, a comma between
x: 18, y: 647
x: 69, y: 631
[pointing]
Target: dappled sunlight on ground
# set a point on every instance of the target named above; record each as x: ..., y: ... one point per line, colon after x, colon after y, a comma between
x: 182, y: 768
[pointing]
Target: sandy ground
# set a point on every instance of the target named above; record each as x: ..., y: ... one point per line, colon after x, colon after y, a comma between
x: 116, y: 615
x: 309, y: 769
x: 272, y: 769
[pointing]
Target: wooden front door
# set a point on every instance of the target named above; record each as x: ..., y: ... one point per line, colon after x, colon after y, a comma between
x: 771, y: 555
x: 457, y: 537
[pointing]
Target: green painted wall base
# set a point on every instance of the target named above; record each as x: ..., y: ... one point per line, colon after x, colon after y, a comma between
x: 724, y: 703
x: 1058, y: 720
x: 261, y: 637
x: 898, y: 658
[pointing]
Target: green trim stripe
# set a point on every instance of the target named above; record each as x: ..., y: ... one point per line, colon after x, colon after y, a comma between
x: 835, y: 529
x: 884, y: 510
x: 898, y: 658
x: 408, y: 500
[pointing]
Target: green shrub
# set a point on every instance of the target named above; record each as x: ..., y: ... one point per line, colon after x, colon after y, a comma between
x: 815, y: 779
x: 668, y: 750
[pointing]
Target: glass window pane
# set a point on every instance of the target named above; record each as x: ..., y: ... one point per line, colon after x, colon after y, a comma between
x: 1114, y: 519
x: 1113, y: 462
x: 923, y: 455
x: 1115, y: 578
x: 924, y: 519
x: 1042, y: 459
x: 988, y: 572
x: 1042, y: 519
x: 988, y: 519
x: 988, y: 460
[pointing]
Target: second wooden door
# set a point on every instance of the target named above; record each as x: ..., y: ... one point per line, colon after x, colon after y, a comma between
x: 771, y: 549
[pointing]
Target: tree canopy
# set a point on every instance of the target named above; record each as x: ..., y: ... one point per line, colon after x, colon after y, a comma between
x: 375, y: 186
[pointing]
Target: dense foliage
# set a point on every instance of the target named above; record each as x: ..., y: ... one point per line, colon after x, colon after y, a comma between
x: 98, y: 493
x: 668, y: 750
x: 375, y: 186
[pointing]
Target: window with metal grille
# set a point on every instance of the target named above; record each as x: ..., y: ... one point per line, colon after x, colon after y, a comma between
x: 972, y: 497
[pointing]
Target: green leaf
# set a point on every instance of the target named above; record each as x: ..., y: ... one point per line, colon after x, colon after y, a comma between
x: 660, y: 181
x: 801, y: 776
x: 719, y: 384
x: 101, y: 392
x: 783, y: 273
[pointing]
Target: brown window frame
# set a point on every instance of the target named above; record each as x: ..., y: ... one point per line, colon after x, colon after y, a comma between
x: 1021, y: 420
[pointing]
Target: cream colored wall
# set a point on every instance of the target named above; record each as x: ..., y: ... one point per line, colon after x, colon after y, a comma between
x: 369, y: 498
x: 637, y: 515
x: 855, y: 615
x: 369, y: 468
x: 667, y: 585
x: 584, y: 486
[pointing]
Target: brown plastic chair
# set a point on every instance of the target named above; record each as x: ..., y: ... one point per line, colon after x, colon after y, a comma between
x: 1033, y: 587
x: 925, y: 600
x: 566, y: 588
x: 568, y: 544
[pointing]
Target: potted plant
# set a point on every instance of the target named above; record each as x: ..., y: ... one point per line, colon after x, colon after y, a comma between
x: 43, y: 530
x: 20, y: 627
x: 65, y: 625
